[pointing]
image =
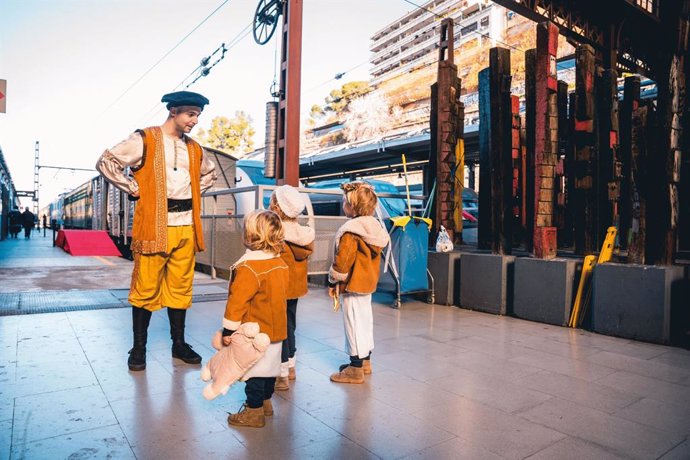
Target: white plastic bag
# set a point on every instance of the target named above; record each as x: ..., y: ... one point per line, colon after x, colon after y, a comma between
x: 443, y: 242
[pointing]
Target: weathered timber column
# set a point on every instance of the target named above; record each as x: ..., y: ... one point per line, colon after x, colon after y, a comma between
x: 524, y: 200
x: 663, y: 201
x: 447, y: 124
x: 546, y: 141
x: 630, y: 103
x: 485, y: 227
x: 496, y: 121
x: 517, y: 157
x: 530, y: 122
x: 560, y: 197
x: 569, y: 165
x: 684, y: 187
x: 584, y: 194
x: 608, y: 163
x: 641, y: 146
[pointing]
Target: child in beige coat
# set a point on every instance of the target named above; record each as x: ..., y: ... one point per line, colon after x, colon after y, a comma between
x: 258, y: 293
x: 354, y: 276
x: 288, y: 203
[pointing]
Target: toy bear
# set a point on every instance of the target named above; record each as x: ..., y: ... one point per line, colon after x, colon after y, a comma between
x: 231, y: 362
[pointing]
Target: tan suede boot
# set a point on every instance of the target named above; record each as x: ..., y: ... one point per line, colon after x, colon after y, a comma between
x: 349, y: 375
x: 248, y: 417
x: 282, y: 384
x: 291, y: 374
x: 268, y: 408
x: 366, y: 365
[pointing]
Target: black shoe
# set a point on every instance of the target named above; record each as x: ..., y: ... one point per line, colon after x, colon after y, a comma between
x: 137, y: 359
x: 184, y: 352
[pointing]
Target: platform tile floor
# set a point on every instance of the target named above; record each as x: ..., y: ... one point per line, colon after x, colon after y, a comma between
x: 447, y: 384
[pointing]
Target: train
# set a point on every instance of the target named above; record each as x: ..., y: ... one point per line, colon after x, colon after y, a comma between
x: 96, y: 205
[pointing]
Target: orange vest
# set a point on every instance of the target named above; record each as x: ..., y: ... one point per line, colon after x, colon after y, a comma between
x: 149, y: 229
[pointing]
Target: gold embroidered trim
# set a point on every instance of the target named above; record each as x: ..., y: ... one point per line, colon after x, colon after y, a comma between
x: 161, y: 191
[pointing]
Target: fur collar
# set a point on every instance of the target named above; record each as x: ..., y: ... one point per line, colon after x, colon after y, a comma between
x: 254, y: 255
x: 298, y: 234
x: 366, y: 227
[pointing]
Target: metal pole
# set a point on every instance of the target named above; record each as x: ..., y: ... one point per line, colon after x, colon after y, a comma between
x: 36, y: 168
x: 213, y: 247
x: 287, y: 161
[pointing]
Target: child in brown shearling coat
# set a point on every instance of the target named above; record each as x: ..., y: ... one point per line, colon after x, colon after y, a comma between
x: 354, y: 275
x: 288, y: 203
x: 258, y: 293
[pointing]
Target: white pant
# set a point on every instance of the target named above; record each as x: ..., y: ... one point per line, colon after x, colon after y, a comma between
x: 358, y: 319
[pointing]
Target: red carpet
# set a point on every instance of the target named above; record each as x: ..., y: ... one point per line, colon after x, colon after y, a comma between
x: 86, y: 243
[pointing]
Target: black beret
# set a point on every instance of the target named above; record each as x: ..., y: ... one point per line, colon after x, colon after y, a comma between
x: 180, y: 98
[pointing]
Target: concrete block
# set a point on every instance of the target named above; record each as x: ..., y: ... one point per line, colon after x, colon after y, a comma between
x: 636, y: 301
x: 486, y: 282
x: 545, y: 289
x: 445, y: 268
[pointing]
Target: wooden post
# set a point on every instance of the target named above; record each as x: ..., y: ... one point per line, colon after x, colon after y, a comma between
x: 447, y: 126
x: 517, y: 157
x: 546, y: 140
x: 608, y: 164
x: 571, y: 202
x: 560, y: 183
x: 630, y: 103
x: 501, y: 150
x: 496, y: 154
x: 584, y: 196
x: 663, y: 202
x: 530, y: 123
x: 641, y: 145
x: 664, y: 170
x: 486, y: 199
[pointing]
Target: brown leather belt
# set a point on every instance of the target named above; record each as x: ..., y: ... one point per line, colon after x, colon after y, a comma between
x: 179, y: 205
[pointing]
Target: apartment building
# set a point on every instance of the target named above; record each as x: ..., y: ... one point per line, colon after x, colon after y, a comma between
x: 411, y: 41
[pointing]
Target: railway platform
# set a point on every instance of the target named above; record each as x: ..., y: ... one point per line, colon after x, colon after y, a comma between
x: 446, y: 383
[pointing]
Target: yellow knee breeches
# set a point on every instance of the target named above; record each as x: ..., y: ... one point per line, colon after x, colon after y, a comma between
x: 165, y: 279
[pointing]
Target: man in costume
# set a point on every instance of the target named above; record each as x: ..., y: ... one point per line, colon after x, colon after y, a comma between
x: 170, y: 173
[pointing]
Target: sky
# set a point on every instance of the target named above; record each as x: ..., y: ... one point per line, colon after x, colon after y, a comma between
x: 69, y: 66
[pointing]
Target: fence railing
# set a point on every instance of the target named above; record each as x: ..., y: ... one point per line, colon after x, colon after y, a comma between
x: 224, y: 210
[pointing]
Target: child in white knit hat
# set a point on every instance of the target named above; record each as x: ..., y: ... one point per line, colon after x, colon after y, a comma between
x: 288, y: 203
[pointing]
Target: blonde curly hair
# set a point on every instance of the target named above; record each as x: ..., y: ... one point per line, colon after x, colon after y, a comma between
x: 263, y: 231
x: 361, y: 197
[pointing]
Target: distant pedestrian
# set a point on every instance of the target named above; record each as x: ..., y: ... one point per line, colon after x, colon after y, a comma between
x: 15, y: 218
x: 44, y: 223
x: 28, y: 221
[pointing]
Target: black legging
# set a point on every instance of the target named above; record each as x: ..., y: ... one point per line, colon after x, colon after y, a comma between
x: 258, y: 390
x: 289, y: 347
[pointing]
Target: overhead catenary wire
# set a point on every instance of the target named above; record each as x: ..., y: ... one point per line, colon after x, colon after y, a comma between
x: 337, y: 76
x: 164, y: 56
x: 202, y: 69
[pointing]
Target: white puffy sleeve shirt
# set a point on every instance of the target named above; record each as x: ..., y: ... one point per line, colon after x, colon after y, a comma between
x: 129, y: 153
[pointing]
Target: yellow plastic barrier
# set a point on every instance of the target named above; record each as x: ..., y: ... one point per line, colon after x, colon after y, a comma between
x: 584, y: 289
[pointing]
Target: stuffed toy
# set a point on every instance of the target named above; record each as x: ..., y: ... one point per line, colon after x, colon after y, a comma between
x: 231, y: 362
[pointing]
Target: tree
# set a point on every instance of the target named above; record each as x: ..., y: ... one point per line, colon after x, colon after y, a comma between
x: 369, y: 117
x: 235, y: 135
x: 339, y: 99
